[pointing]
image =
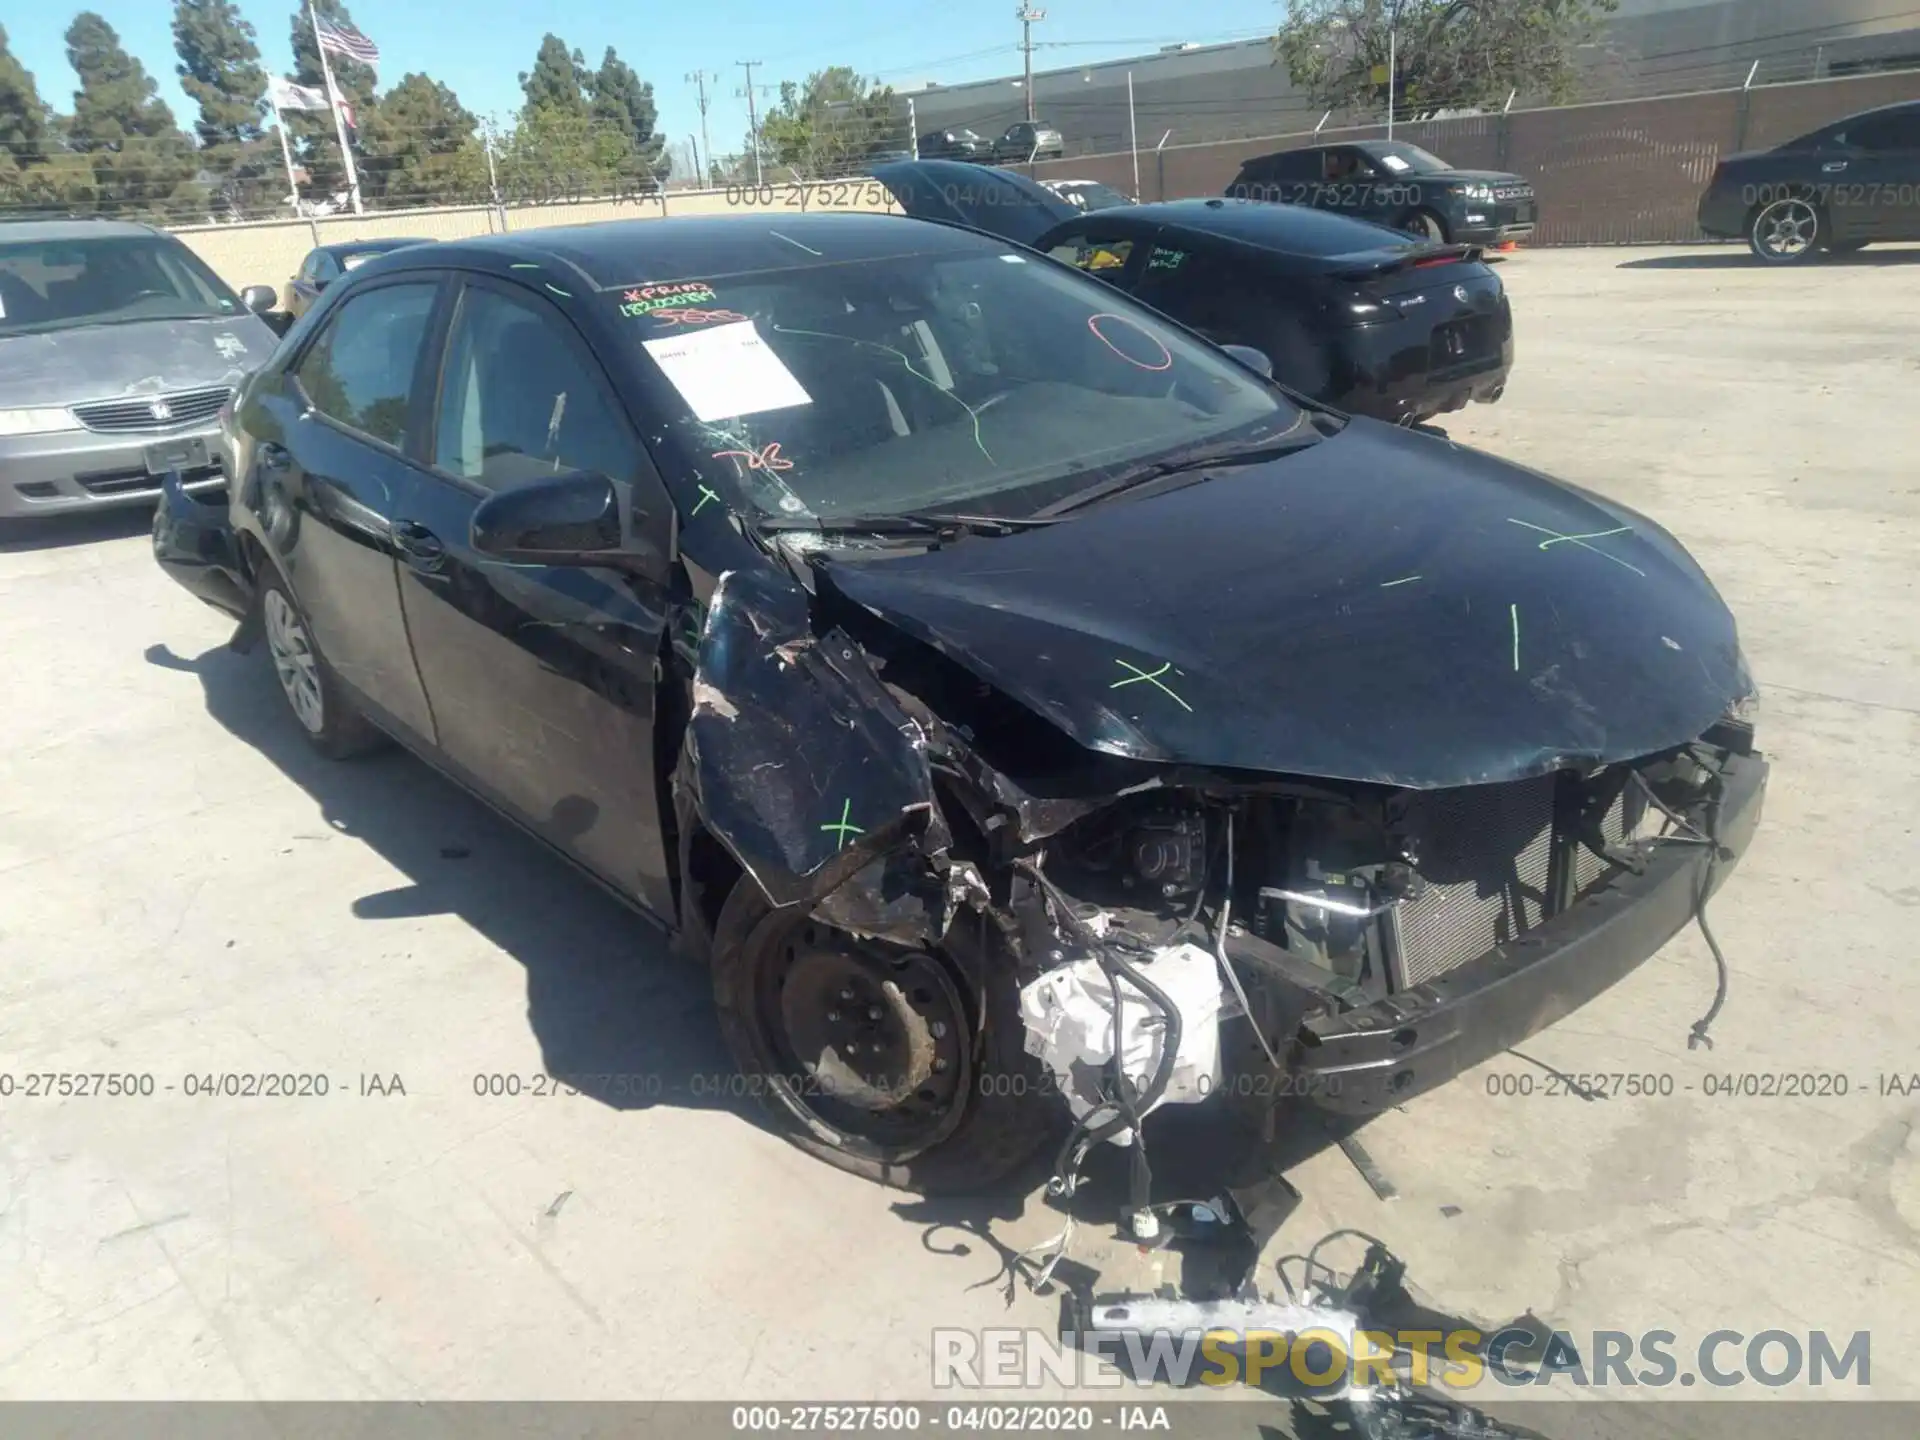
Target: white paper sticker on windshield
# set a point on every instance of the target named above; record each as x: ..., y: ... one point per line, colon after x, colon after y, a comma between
x: 1394, y: 163
x: 726, y: 370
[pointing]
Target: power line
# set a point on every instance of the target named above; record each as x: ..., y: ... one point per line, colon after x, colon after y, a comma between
x: 753, y: 116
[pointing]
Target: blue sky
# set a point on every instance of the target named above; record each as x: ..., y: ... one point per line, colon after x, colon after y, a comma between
x: 480, y: 46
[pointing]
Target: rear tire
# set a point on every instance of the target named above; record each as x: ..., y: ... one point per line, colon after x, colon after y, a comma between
x: 314, y: 695
x: 1426, y: 225
x: 916, y: 1015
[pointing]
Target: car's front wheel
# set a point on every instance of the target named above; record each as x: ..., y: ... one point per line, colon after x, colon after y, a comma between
x: 1788, y: 231
x: 905, y: 1065
x: 327, y: 717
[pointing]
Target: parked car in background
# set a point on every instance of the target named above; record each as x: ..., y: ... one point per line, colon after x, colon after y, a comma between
x: 1087, y: 194
x: 1028, y: 140
x: 621, y: 526
x: 1836, y: 190
x: 118, y: 349
x: 1401, y: 186
x: 1373, y: 321
x: 327, y: 263
x: 959, y: 144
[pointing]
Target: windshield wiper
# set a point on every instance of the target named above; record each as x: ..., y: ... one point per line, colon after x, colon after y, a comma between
x: 909, y: 522
x: 1215, y: 457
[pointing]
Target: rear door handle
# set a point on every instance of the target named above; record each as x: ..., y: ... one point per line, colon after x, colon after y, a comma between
x: 1833, y: 167
x: 419, y: 546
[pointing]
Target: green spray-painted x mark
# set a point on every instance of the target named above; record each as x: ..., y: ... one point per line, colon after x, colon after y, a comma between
x: 842, y: 828
x: 1581, y: 541
x: 705, y: 496
x: 1153, y: 679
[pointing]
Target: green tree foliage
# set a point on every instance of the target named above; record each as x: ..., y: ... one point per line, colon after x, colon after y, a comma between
x: 624, y: 102
x: 420, y: 147
x: 312, y: 131
x: 23, y: 118
x: 220, y: 70
x: 557, y: 84
x: 830, y: 125
x: 1447, y: 53
x: 141, y: 163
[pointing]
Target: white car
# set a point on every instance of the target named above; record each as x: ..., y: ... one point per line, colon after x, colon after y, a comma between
x: 1087, y: 194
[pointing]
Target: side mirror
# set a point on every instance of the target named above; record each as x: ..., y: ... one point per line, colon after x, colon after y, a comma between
x: 572, y: 518
x: 1255, y: 360
x: 260, y: 298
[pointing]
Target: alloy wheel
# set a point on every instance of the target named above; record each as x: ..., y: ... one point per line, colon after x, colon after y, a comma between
x: 1786, y: 230
x: 294, y: 661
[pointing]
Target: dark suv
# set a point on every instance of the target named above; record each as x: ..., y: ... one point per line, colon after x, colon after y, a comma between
x: 1395, y: 184
x: 1836, y: 190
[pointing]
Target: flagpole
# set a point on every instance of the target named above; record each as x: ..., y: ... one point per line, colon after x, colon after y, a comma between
x: 286, y: 152
x: 333, y: 104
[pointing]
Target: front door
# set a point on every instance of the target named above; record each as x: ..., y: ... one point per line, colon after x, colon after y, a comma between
x: 329, y: 441
x: 1885, y: 175
x: 542, y: 677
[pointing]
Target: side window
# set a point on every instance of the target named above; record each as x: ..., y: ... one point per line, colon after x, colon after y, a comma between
x: 1218, y: 295
x: 361, y: 368
x: 1900, y: 131
x: 520, y: 398
x: 1341, y: 165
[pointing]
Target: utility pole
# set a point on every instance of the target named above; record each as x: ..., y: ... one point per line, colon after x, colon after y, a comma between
x: 699, y: 79
x: 1027, y: 16
x: 753, y: 116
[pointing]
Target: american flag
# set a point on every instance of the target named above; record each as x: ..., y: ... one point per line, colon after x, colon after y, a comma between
x: 343, y: 39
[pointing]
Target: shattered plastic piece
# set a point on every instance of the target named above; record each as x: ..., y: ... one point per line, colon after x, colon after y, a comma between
x: 1068, y: 1013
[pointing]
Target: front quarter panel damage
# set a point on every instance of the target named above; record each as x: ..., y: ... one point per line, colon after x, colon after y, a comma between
x: 803, y: 764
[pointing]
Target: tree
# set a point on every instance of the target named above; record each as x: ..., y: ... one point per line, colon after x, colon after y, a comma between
x: 421, y: 147
x: 312, y: 131
x: 622, y: 101
x: 556, y: 154
x: 140, y: 160
x: 221, y: 72
x: 1446, y: 53
x: 828, y: 126
x: 558, y: 81
x: 23, y: 119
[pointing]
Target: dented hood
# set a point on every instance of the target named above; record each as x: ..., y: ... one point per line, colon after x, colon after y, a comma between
x: 1383, y: 606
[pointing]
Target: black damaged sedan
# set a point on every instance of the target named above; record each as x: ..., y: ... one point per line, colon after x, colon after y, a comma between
x: 945, y: 647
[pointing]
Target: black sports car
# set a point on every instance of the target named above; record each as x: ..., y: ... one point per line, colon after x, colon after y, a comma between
x: 1395, y: 184
x: 1365, y: 319
x: 941, y: 643
x: 1836, y: 190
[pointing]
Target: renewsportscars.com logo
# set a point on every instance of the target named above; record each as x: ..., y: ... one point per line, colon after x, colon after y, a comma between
x: 1332, y: 1361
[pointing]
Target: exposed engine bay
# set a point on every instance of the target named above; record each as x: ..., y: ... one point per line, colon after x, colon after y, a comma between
x: 1177, y: 934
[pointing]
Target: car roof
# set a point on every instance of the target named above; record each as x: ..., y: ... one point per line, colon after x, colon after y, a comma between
x: 1279, y: 228
x: 1898, y: 107
x: 616, y: 254
x: 66, y: 229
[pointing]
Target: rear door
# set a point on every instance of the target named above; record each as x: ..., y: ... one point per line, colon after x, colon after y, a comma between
x: 328, y: 453
x: 1882, y: 181
x: 541, y: 677
x: 1232, y: 297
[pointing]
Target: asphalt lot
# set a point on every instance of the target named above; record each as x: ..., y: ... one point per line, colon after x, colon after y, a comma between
x: 185, y: 890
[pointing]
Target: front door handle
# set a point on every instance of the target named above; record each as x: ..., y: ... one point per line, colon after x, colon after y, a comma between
x: 1834, y: 167
x: 273, y: 456
x: 419, y: 546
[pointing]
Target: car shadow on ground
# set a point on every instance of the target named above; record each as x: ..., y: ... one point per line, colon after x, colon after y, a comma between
x: 1740, y: 258
x: 606, y: 996
x: 79, y: 527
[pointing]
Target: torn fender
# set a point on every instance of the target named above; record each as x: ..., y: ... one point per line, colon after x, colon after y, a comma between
x: 805, y: 768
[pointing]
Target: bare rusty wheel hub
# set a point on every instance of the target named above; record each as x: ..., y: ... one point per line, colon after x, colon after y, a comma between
x: 877, y: 1031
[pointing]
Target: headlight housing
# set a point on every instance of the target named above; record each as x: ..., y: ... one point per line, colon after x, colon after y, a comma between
x: 38, y: 420
x: 1477, y: 192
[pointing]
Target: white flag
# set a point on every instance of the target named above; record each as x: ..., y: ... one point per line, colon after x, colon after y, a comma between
x: 285, y: 95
